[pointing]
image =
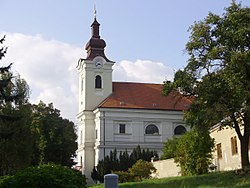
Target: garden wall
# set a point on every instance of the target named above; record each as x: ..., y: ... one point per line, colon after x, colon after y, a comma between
x: 166, y: 168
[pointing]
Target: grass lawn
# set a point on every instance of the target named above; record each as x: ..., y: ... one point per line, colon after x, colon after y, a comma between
x: 218, y: 179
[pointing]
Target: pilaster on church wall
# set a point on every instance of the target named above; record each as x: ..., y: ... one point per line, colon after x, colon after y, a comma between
x: 137, y: 131
x: 89, y: 126
x: 109, y: 129
x: 98, y: 124
x: 168, y: 131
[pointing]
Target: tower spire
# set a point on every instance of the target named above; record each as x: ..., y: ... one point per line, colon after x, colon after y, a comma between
x: 95, y: 11
x: 95, y: 46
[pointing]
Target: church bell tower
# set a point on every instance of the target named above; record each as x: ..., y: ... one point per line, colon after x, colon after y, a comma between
x: 95, y: 72
x: 95, y: 85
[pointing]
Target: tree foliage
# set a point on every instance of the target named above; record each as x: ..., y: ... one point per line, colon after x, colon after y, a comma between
x: 30, y: 134
x: 218, y: 73
x: 55, y: 138
x: 193, y: 152
x: 122, y: 163
x: 15, y: 134
x: 170, y: 148
x: 142, y: 169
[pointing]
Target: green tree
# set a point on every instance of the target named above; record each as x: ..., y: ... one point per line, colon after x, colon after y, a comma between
x: 193, y: 152
x: 170, y: 148
x: 219, y: 73
x: 124, y: 162
x: 55, y: 137
x: 15, y: 112
x: 14, y: 91
x: 142, y: 169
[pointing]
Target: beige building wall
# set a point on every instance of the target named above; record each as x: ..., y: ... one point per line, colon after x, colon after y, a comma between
x: 226, y: 154
x: 227, y: 149
x: 166, y: 168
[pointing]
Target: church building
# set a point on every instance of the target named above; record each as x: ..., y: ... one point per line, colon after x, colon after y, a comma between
x: 121, y: 115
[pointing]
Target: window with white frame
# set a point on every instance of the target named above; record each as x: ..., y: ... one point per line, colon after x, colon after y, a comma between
x: 152, y: 129
x: 179, y: 130
x: 122, y: 128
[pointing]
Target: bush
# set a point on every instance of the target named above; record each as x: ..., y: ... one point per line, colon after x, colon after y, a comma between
x: 125, y: 176
x: 4, y: 179
x: 49, y: 176
x: 142, y: 169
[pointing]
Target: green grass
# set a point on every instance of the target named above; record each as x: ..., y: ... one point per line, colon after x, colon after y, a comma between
x: 218, y: 179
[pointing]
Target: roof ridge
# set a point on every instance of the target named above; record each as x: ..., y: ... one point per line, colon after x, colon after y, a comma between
x: 137, y: 83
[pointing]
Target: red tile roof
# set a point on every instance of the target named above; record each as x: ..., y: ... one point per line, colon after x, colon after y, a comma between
x: 129, y: 95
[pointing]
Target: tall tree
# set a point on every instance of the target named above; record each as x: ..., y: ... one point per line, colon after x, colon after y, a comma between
x: 55, y: 137
x: 15, y: 135
x: 193, y: 152
x: 218, y: 73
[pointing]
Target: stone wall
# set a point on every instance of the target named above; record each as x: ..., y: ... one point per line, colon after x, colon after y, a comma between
x: 166, y: 168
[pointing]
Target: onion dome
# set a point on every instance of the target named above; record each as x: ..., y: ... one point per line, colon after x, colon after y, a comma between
x: 95, y: 46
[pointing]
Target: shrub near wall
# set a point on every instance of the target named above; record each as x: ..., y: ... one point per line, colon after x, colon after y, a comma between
x: 45, y: 176
x: 140, y: 170
x: 125, y: 176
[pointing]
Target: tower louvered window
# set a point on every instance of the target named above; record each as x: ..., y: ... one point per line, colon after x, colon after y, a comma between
x: 98, y: 82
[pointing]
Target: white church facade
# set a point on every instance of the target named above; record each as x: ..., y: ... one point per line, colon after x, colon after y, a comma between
x: 121, y: 115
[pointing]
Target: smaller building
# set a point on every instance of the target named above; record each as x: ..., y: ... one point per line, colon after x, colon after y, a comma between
x: 227, y: 153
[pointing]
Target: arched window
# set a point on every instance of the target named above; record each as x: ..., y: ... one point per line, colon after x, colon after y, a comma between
x: 98, y: 81
x: 152, y: 129
x: 179, y: 130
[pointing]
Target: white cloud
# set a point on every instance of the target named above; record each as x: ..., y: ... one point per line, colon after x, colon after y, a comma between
x: 142, y: 71
x: 49, y: 67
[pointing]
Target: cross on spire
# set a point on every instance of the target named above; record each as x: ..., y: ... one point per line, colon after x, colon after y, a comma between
x: 95, y: 11
x: 95, y: 46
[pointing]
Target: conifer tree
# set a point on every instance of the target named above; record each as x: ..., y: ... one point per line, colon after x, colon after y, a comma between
x: 123, y: 162
x: 15, y: 135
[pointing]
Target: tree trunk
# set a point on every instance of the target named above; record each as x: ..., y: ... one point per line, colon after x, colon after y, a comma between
x: 244, y: 140
x: 244, y: 152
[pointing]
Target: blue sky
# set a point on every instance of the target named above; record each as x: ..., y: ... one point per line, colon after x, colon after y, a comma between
x: 146, y: 38
x: 133, y: 29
